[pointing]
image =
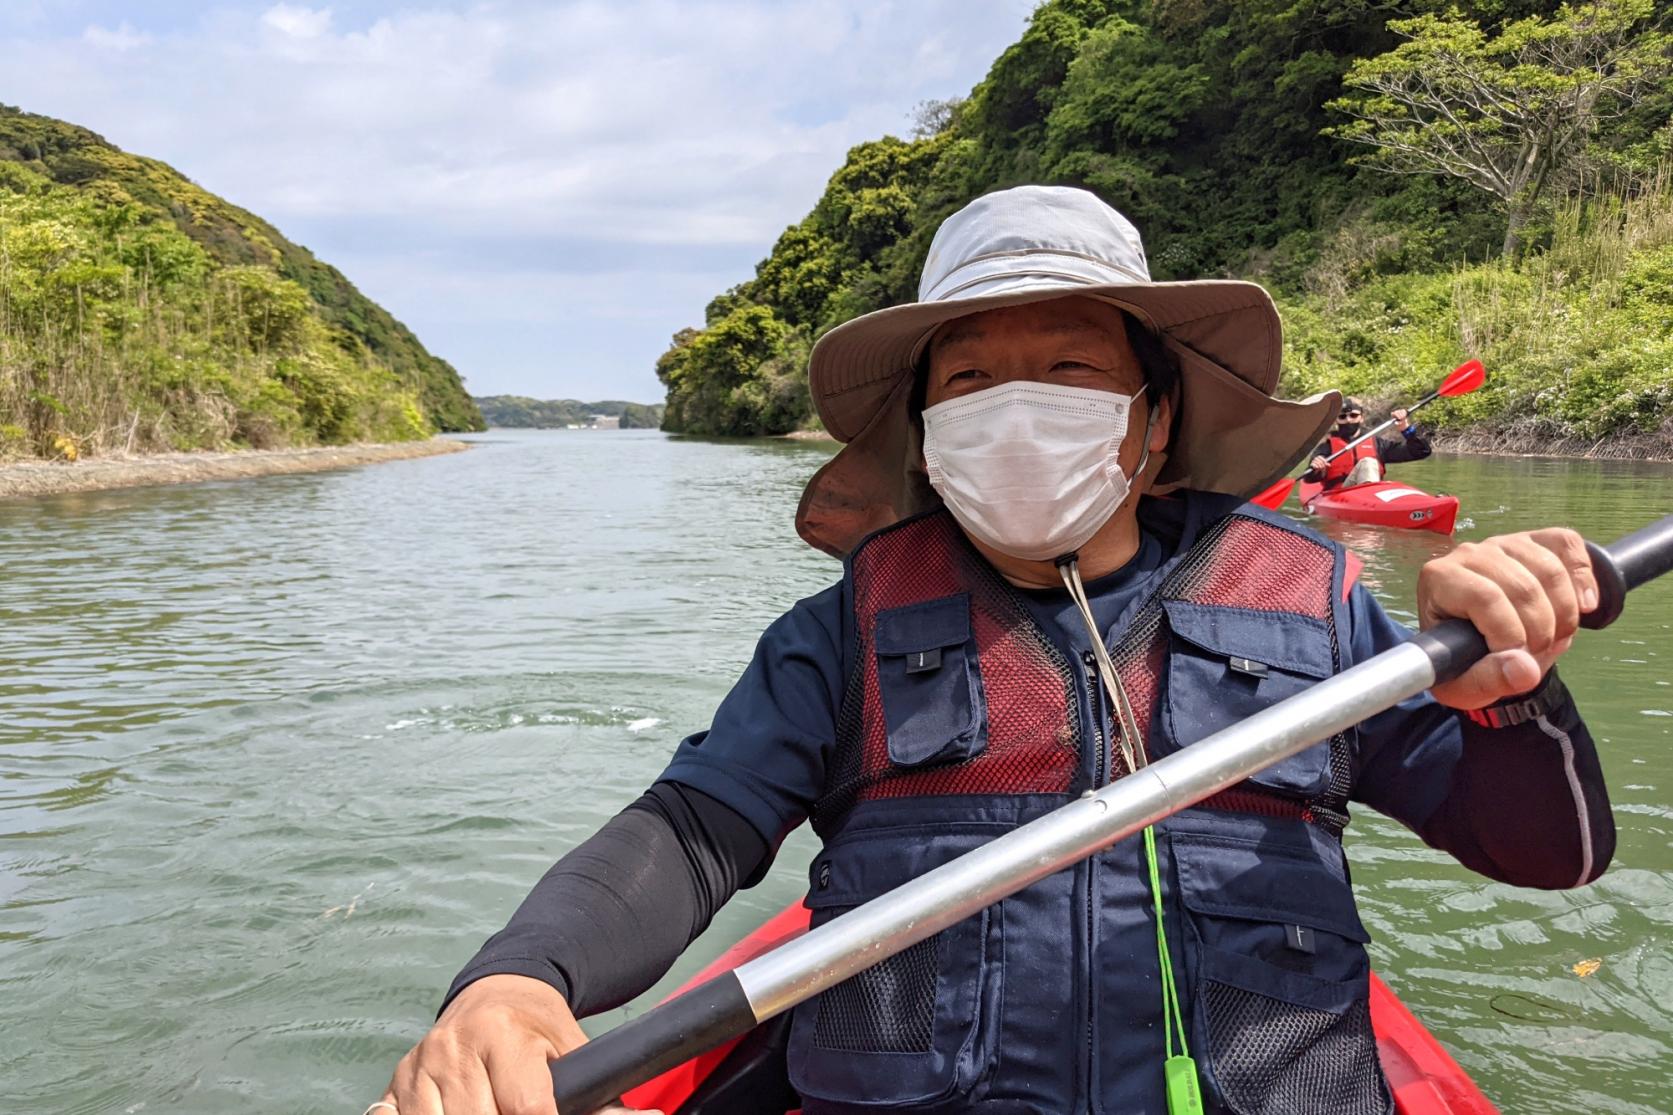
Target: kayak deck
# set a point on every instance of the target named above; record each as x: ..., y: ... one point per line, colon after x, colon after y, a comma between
x: 743, y: 1076
x: 1384, y: 504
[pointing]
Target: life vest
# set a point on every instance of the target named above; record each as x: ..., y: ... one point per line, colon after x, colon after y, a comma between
x: 1338, y: 469
x: 962, y: 719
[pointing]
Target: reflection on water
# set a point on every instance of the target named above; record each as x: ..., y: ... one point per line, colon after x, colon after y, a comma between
x: 275, y: 756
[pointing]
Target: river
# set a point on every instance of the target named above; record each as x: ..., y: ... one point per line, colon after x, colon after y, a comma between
x: 276, y: 755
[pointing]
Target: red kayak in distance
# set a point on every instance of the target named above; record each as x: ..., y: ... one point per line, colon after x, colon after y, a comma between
x: 747, y: 1076
x: 1383, y: 504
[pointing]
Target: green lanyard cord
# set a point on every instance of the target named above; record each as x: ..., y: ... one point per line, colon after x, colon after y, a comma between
x: 1173, y: 1019
x: 1179, y: 1072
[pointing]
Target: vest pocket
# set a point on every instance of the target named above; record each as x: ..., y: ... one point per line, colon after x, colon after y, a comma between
x: 1281, y: 1043
x: 1280, y: 982
x: 1226, y: 664
x: 914, y: 1032
x: 930, y: 683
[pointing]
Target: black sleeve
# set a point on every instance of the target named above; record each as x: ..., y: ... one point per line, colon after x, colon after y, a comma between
x: 610, y: 918
x: 1407, y: 447
x: 1527, y: 804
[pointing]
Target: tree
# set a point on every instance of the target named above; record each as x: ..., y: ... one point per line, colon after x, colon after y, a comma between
x: 1512, y: 113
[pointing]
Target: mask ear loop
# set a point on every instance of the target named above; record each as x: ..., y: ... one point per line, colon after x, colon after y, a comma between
x: 1144, y: 458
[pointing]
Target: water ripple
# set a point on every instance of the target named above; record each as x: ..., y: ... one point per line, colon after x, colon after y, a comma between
x: 275, y: 756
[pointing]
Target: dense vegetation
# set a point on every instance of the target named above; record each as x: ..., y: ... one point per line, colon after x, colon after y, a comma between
x: 557, y: 414
x: 140, y: 312
x: 1240, y: 138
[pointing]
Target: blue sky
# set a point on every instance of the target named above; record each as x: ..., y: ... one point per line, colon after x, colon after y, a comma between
x: 544, y: 192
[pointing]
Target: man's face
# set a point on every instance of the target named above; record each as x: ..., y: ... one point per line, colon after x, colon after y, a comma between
x: 1349, y: 422
x: 1069, y: 342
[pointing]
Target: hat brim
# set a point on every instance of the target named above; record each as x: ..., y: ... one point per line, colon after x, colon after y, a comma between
x: 854, y: 367
x: 1230, y: 434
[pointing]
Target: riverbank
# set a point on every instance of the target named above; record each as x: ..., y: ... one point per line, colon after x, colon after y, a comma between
x: 1516, y: 441
x: 28, y: 479
x: 1482, y: 441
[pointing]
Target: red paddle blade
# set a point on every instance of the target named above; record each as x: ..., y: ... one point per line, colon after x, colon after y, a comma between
x: 1274, y: 497
x: 1463, y: 379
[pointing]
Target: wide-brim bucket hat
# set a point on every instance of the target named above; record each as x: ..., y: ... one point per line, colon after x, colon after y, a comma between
x: 1029, y: 244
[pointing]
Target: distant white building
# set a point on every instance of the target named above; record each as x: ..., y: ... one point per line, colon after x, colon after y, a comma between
x: 606, y: 422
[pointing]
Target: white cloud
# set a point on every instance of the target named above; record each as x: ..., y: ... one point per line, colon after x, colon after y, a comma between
x: 122, y: 37
x: 656, y: 123
x: 297, y: 22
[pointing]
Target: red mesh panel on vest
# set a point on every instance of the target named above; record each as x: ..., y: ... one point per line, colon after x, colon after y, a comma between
x: 1033, y: 731
x: 1238, y: 563
x: 1034, y: 737
x: 1264, y: 568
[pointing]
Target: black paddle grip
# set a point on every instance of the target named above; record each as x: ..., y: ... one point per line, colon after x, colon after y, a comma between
x: 1643, y: 555
x: 595, y: 1074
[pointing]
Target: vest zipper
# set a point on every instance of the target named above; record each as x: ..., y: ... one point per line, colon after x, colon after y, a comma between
x: 1094, y: 690
x: 1095, y: 704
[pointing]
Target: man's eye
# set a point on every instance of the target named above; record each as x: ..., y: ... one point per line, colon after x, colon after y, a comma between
x: 1072, y: 366
x: 968, y: 373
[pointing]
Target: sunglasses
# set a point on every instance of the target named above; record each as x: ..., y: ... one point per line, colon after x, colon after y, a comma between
x: 1349, y: 414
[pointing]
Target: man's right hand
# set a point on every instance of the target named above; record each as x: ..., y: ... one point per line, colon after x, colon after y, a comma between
x: 488, y: 1053
x: 1319, y: 464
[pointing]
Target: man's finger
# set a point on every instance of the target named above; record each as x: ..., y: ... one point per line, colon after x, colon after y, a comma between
x: 1462, y: 593
x: 407, y: 1092
x: 1498, y: 562
x: 1554, y: 577
x: 465, y: 1090
x: 1499, y: 675
x: 522, y: 1080
x: 1570, y: 549
x: 420, y: 1097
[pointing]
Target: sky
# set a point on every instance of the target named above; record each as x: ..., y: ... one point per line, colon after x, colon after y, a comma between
x: 543, y: 191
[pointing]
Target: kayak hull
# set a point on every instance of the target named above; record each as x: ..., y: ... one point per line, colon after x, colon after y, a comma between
x: 1383, y: 504
x: 746, y: 1077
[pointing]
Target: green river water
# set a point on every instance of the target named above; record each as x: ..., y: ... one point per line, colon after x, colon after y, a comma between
x: 276, y: 755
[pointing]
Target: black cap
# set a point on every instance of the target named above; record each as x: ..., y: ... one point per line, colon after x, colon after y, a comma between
x: 1351, y: 403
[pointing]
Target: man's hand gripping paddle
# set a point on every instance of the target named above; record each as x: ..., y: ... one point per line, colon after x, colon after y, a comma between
x: 732, y: 1004
x: 1463, y: 379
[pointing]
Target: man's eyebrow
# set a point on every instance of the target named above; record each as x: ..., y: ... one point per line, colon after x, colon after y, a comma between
x: 957, y: 334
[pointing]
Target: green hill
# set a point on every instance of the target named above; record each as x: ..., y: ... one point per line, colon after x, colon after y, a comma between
x: 139, y: 311
x: 556, y: 414
x: 1211, y: 125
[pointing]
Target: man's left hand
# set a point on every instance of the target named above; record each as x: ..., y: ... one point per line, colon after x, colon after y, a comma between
x: 1399, y: 415
x: 1524, y: 592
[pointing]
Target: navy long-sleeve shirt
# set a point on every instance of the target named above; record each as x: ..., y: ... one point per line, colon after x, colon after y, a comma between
x: 1524, y: 804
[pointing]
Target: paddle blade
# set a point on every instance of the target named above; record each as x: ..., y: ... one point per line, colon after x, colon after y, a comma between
x: 1463, y: 379
x: 1274, y: 497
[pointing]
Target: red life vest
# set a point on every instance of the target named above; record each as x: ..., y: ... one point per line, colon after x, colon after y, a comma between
x: 919, y: 588
x: 1337, y: 471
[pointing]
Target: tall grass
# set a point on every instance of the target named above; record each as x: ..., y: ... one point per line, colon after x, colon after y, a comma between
x: 1577, y: 336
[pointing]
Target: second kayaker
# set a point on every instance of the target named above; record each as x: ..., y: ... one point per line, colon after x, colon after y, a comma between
x: 1365, y: 463
x: 1051, y: 578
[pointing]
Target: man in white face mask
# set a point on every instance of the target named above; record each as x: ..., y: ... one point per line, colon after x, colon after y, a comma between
x: 1051, y: 579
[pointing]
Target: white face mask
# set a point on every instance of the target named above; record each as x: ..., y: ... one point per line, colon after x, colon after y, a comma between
x: 1028, y: 468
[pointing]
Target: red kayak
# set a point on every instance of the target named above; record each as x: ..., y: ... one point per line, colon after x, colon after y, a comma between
x: 1383, y: 504
x: 747, y: 1076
